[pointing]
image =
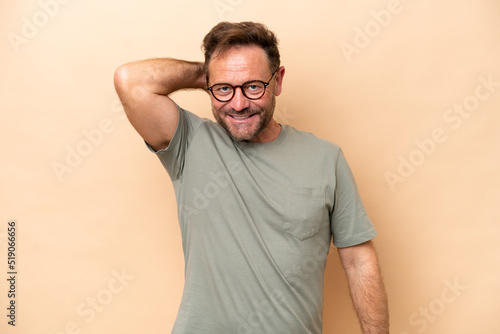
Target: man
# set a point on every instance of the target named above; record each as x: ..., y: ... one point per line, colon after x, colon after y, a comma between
x: 258, y: 201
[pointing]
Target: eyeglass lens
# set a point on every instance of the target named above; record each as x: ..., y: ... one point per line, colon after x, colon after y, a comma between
x: 252, y: 90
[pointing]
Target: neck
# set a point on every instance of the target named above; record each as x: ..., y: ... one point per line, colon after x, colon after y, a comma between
x: 270, y: 133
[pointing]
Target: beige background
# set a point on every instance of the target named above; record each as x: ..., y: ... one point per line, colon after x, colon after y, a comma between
x: 380, y: 78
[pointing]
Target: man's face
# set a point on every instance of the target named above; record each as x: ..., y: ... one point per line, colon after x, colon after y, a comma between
x: 242, y: 118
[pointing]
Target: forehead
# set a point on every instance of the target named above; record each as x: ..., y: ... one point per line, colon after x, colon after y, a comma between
x: 239, y: 64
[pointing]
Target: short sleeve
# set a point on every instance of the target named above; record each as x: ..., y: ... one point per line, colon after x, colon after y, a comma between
x: 350, y: 224
x: 172, y: 157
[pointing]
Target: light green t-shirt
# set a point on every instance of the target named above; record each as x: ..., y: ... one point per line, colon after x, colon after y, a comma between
x: 256, y: 223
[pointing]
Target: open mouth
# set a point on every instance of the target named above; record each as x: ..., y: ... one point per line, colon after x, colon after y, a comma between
x: 241, y: 117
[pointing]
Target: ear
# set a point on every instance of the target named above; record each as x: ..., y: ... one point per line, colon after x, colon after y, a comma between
x: 279, y: 80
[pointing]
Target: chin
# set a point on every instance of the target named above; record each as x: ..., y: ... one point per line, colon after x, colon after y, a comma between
x: 244, y: 133
x: 247, y: 133
x: 242, y: 136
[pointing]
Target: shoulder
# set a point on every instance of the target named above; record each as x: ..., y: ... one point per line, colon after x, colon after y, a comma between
x: 311, y: 141
x: 202, y: 130
x: 196, y: 125
x: 191, y: 118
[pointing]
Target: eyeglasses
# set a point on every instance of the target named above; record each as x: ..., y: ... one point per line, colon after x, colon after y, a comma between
x: 252, y: 90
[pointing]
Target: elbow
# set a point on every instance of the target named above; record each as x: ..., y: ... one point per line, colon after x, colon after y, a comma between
x: 121, y: 78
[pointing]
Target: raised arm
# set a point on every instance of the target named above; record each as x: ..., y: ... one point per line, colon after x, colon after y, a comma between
x: 366, y: 286
x: 143, y: 88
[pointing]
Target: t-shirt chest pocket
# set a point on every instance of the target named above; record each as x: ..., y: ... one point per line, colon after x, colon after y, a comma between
x: 304, y: 211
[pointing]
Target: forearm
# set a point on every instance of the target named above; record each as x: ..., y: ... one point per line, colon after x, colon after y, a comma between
x: 162, y: 76
x: 368, y: 294
x: 369, y: 298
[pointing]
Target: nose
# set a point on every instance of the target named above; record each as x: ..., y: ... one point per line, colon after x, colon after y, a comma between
x: 239, y: 102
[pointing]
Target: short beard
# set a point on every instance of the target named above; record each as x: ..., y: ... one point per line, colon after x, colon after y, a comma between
x: 265, y: 116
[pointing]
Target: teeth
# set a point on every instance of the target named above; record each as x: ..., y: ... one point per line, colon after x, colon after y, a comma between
x: 240, y: 117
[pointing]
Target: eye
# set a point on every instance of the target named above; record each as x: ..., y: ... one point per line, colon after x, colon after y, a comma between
x: 253, y: 86
x: 223, y: 89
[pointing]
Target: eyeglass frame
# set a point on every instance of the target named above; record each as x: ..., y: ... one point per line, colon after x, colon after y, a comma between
x: 241, y: 88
